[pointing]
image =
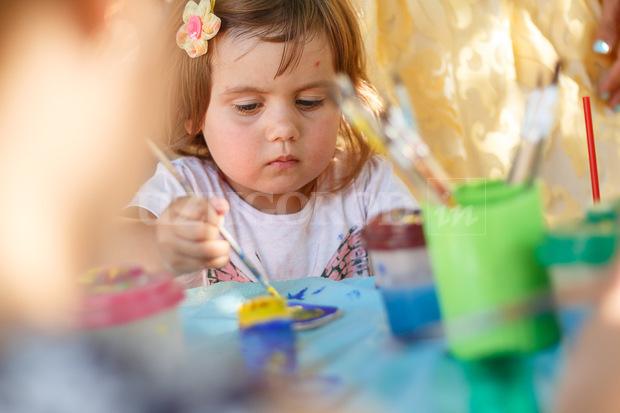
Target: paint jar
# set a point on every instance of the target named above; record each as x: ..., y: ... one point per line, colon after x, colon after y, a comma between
x: 399, y: 260
x: 579, y: 257
x: 483, y: 256
x: 267, y: 337
x: 135, y: 313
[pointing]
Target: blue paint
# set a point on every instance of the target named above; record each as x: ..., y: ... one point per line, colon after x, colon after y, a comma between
x: 340, y: 237
x: 318, y: 291
x: 269, y: 346
x: 298, y: 296
x: 353, y: 294
x: 410, y: 308
x: 381, y: 269
x: 327, y: 314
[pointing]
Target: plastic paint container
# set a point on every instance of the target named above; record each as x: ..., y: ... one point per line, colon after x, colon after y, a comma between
x: 267, y: 337
x: 135, y: 313
x: 483, y: 253
x: 399, y: 259
x: 578, y: 257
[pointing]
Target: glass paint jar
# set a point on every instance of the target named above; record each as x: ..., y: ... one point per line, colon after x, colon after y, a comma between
x: 399, y: 261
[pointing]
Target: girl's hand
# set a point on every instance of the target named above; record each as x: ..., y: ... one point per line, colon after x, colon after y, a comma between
x: 606, y: 43
x: 188, y: 234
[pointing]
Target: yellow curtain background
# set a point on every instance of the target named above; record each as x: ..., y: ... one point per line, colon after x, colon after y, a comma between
x: 469, y: 66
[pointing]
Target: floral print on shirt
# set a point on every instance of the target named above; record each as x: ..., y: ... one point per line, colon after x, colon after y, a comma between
x: 350, y: 260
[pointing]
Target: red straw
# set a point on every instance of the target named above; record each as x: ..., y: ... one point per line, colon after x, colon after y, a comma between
x: 596, y: 195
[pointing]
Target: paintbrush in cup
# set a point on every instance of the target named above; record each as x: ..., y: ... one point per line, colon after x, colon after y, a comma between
x: 412, y: 156
x: 225, y: 234
x: 540, y: 114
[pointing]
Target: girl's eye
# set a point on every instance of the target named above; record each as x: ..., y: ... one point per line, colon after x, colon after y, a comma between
x: 310, y: 104
x: 248, y: 109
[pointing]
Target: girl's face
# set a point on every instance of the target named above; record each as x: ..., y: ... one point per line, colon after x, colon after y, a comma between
x: 271, y: 135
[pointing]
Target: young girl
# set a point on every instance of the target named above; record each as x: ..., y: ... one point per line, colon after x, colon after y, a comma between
x: 265, y: 147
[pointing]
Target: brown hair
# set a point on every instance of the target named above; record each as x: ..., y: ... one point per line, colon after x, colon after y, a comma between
x: 292, y: 22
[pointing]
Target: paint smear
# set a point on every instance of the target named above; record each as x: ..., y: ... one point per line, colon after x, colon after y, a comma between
x: 318, y: 291
x: 298, y: 296
x: 353, y: 294
x: 381, y: 269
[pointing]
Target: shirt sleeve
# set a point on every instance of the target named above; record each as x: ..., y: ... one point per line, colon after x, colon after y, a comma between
x: 158, y: 192
x: 383, y: 189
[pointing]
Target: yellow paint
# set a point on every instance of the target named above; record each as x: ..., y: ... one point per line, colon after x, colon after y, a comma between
x: 273, y: 292
x: 263, y: 309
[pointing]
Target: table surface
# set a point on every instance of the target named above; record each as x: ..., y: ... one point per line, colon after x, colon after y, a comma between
x: 358, y: 355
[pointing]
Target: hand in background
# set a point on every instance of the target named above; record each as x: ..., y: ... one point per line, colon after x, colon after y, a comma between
x: 188, y: 234
x: 606, y: 43
x: 590, y: 380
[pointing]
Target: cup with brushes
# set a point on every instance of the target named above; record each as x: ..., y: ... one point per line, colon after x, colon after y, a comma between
x: 481, y: 235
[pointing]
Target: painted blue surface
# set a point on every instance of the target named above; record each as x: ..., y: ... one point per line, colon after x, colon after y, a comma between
x: 366, y: 366
x: 410, y: 308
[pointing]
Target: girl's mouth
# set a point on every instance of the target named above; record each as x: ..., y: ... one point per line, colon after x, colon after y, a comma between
x: 284, y: 162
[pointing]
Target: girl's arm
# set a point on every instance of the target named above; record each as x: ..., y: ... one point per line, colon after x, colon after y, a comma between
x: 184, y: 239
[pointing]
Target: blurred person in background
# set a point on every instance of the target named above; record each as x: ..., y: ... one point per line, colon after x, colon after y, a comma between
x: 78, y: 96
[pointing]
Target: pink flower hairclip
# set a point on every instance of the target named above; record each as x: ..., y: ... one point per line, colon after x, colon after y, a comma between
x: 200, y: 25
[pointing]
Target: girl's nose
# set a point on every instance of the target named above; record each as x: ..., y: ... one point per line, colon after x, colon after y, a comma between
x: 282, y: 125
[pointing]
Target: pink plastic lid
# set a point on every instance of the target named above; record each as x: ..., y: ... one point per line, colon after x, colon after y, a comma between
x: 395, y: 230
x: 119, y: 295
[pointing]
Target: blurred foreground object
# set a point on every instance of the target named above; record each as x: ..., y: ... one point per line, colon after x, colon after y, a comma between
x: 593, y: 367
x: 78, y: 97
x: 135, y: 312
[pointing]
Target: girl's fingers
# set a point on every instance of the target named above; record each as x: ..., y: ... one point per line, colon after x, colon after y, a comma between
x: 184, y: 265
x: 209, y: 210
x: 614, y: 102
x: 204, y: 251
x: 188, y: 234
x: 196, y: 231
x: 611, y: 84
x: 220, y: 205
x: 184, y: 256
x: 196, y: 209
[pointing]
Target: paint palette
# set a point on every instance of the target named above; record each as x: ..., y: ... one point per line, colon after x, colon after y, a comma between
x: 307, y: 316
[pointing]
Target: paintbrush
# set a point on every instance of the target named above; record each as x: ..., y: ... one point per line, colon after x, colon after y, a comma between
x: 364, y: 123
x: 537, y: 123
x: 403, y: 119
x: 408, y: 143
x: 411, y: 156
x: 402, y: 97
x: 225, y: 234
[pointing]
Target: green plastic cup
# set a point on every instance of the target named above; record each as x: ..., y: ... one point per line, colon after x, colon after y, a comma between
x: 501, y: 384
x: 483, y: 256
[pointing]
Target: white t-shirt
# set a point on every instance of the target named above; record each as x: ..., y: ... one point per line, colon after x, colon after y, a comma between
x: 321, y: 240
